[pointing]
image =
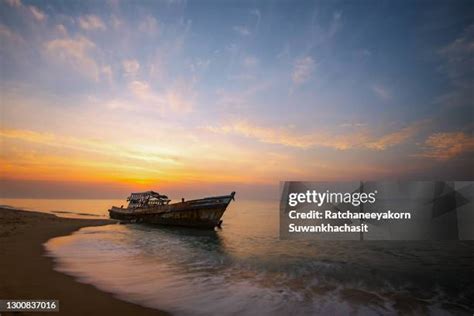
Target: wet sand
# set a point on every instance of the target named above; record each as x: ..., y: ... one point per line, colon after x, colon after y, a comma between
x: 26, y: 273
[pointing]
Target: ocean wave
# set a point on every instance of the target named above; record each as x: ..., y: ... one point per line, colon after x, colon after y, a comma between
x: 230, y: 272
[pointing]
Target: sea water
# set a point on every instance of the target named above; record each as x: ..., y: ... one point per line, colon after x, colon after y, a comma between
x: 244, y: 269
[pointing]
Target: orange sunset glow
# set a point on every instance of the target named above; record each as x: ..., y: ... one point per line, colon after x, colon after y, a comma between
x: 115, y: 101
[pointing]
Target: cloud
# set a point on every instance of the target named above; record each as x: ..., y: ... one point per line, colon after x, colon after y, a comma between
x: 352, y: 125
x: 142, y: 90
x: 381, y: 92
x: 91, y: 22
x: 200, y: 64
x: 135, y: 152
x: 61, y: 29
x: 250, y: 61
x: 37, y: 13
x: 289, y: 137
x: 303, y: 69
x: 394, y: 138
x: 170, y: 100
x: 14, y: 3
x: 6, y: 32
x: 242, y: 30
x: 7, y: 35
x: 364, y: 53
x: 149, y: 25
x: 264, y: 134
x: 336, y: 24
x: 457, y: 64
x: 115, y: 21
x: 444, y: 146
x: 75, y: 53
x: 258, y: 15
x: 107, y: 72
x: 459, y: 56
x: 131, y: 67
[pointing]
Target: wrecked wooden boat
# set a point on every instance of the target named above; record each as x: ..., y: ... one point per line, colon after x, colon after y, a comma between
x: 153, y: 208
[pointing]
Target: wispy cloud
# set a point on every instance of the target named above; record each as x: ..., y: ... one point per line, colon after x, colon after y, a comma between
x: 459, y: 57
x: 37, y: 13
x: 200, y: 65
x: 265, y: 134
x: 86, y: 145
x: 303, y: 69
x: 149, y: 25
x: 364, y: 53
x: 74, y: 52
x: 116, y: 70
x: 91, y: 22
x: 107, y: 72
x: 14, y: 3
x: 61, y: 29
x: 381, y: 91
x: 258, y: 15
x: 51, y: 156
x: 131, y: 67
x: 394, y: 138
x: 322, y: 34
x: 115, y: 21
x: 250, y: 61
x: 291, y: 138
x: 445, y: 146
x: 8, y: 35
x: 336, y: 23
x: 170, y: 100
x: 242, y: 30
x: 457, y: 62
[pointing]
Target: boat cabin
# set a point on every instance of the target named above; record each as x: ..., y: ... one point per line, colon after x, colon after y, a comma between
x: 147, y: 199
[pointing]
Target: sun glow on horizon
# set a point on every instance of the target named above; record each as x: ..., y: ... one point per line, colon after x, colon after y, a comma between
x: 171, y: 95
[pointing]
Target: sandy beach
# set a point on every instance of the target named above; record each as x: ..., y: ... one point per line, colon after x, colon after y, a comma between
x: 26, y: 273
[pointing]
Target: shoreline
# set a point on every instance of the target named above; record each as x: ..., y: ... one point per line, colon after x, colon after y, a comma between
x: 27, y: 273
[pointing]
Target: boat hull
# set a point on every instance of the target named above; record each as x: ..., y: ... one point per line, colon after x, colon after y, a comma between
x: 204, y: 213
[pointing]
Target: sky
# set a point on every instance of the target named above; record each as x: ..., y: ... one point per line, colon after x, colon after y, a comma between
x: 100, y: 98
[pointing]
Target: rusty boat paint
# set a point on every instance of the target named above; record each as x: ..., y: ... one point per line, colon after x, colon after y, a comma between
x: 200, y: 213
